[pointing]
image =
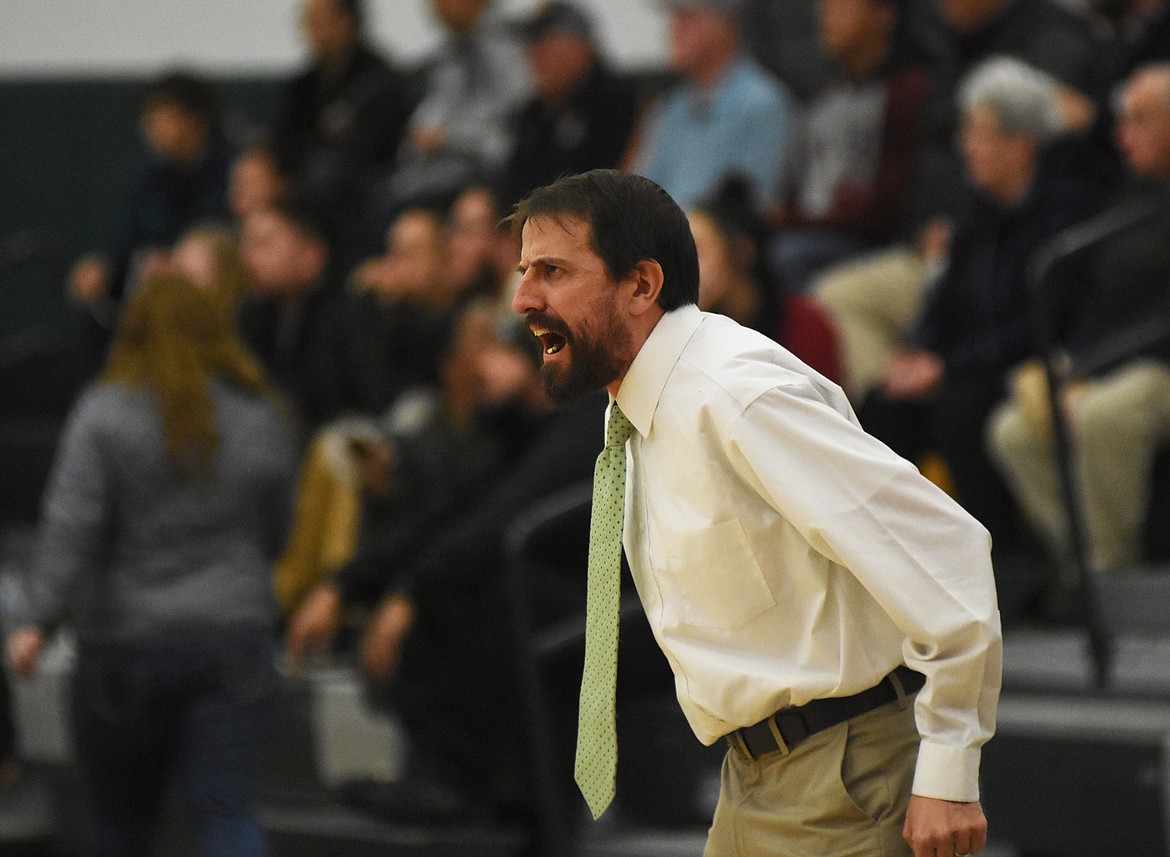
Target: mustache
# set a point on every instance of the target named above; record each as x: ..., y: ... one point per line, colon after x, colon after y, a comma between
x: 549, y: 322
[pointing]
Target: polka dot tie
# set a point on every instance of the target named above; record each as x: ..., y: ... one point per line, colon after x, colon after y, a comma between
x: 596, y: 767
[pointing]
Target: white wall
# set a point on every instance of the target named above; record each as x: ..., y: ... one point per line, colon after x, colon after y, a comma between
x: 136, y: 37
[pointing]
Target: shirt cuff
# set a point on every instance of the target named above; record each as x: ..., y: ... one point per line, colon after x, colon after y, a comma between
x: 947, y: 773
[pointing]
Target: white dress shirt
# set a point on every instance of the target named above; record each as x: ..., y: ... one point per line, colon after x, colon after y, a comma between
x: 783, y: 555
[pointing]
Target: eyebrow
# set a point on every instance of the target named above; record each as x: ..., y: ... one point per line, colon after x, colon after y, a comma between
x: 541, y: 260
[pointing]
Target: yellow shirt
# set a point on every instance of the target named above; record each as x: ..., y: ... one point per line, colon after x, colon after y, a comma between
x: 783, y: 555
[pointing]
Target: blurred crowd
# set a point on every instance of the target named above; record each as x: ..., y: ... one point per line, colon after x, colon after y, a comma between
x: 370, y: 419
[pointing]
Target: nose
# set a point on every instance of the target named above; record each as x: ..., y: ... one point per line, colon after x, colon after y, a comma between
x: 527, y: 297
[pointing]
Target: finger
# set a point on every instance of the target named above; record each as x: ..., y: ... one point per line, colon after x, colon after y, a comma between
x: 24, y: 664
x: 295, y: 649
x: 375, y: 662
x: 921, y: 847
x: 302, y: 642
x: 934, y: 846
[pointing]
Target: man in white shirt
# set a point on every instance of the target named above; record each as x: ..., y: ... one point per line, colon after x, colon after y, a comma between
x: 791, y: 566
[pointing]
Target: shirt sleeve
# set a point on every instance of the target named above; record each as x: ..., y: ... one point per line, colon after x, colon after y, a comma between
x: 74, y: 520
x: 922, y: 558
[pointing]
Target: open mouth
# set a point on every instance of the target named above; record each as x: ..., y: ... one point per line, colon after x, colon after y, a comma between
x: 551, y: 342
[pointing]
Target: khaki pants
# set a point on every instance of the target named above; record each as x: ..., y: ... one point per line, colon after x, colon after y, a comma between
x: 1118, y: 423
x: 872, y: 302
x: 842, y: 793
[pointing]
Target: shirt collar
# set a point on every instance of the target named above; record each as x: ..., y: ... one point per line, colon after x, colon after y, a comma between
x: 646, y: 378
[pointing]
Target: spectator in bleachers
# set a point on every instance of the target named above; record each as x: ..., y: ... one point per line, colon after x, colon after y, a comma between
x: 859, y: 142
x: 471, y: 242
x: 256, y: 181
x: 481, y: 251
x: 976, y: 324
x: 209, y: 256
x: 731, y: 237
x: 727, y: 117
x: 463, y: 128
x: 364, y: 481
x: 167, y: 502
x: 290, y: 316
x: 396, y: 315
x: 341, y: 119
x: 183, y: 182
x: 875, y: 299
x: 1118, y: 408
x: 1132, y: 34
x: 438, y: 634
x: 581, y: 114
x: 1041, y: 33
x: 395, y: 326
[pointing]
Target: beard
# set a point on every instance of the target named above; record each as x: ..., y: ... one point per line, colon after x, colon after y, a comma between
x: 597, y: 356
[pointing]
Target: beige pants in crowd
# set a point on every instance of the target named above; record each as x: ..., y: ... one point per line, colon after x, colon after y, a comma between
x: 1117, y: 423
x: 842, y: 792
x: 872, y: 301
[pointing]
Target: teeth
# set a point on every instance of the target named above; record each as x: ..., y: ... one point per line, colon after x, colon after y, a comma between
x: 554, y: 348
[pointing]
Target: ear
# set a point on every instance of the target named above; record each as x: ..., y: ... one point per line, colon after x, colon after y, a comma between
x: 646, y: 280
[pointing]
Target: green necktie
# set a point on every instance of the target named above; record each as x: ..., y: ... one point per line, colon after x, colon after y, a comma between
x: 596, y: 766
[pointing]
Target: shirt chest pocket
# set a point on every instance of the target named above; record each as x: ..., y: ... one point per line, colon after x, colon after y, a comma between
x: 712, y: 578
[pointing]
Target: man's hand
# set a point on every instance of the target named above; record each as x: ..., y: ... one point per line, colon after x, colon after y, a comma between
x: 314, y: 624
x: 912, y: 374
x: 375, y: 466
x: 382, y: 643
x: 24, y: 647
x: 89, y: 279
x: 430, y: 139
x: 943, y: 828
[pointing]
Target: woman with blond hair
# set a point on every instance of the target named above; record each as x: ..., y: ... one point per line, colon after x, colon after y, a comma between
x: 166, y: 505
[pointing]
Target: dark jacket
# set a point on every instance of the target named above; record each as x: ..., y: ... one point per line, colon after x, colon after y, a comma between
x: 980, y: 315
x: 591, y: 133
x: 459, y: 540
x: 342, y: 123
x: 1121, y: 290
x: 299, y: 348
x: 168, y: 199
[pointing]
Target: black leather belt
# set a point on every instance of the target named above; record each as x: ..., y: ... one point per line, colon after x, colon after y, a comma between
x: 785, y: 729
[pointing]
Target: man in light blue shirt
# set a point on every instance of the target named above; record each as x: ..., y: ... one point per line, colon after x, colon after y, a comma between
x: 727, y: 117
